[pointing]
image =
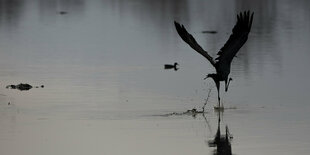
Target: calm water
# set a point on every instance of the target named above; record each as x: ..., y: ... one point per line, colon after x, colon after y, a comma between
x: 102, y: 64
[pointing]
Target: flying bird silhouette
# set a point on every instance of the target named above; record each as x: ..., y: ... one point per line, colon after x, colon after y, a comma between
x: 222, y: 63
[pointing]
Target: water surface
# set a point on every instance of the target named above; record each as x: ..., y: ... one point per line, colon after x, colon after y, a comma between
x: 102, y: 65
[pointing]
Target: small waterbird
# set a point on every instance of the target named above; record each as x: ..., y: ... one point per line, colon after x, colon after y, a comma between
x: 174, y: 66
x: 222, y: 63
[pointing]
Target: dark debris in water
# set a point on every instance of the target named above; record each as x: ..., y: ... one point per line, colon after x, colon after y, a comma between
x: 211, y: 32
x: 22, y: 86
x: 193, y: 112
x: 63, y: 12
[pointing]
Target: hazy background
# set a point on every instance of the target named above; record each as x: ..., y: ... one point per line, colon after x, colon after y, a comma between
x: 102, y: 65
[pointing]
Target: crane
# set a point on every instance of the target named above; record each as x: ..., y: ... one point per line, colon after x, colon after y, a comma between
x: 226, y: 54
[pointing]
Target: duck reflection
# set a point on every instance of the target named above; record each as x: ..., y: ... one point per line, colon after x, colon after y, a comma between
x: 222, y: 142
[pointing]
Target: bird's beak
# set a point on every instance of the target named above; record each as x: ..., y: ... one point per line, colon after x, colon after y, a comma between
x: 207, y: 76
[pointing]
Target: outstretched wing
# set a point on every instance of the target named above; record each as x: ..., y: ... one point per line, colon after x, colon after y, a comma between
x: 190, y: 40
x: 237, y: 39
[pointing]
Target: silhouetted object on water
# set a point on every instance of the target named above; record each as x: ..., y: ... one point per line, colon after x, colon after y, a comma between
x: 221, y: 142
x: 174, y: 66
x: 227, y: 53
x: 22, y: 86
x: 211, y: 32
x: 63, y: 12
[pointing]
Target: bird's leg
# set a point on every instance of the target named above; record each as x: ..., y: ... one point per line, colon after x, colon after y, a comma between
x: 227, y: 84
x: 219, y: 119
x: 219, y: 99
x: 218, y: 92
x: 217, y: 83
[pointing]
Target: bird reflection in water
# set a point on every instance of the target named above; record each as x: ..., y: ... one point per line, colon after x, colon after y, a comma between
x: 222, y: 142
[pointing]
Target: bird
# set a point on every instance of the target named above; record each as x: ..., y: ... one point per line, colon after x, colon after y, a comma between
x: 63, y: 12
x: 174, y: 66
x: 226, y: 54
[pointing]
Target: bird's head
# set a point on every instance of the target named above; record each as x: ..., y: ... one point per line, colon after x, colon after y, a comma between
x: 216, y: 80
x: 227, y: 82
x: 175, y: 66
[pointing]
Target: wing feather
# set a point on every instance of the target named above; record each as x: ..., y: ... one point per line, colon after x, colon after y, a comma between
x: 190, y: 40
x: 237, y: 39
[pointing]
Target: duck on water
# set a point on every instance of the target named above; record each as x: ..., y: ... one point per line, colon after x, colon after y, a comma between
x: 170, y: 66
